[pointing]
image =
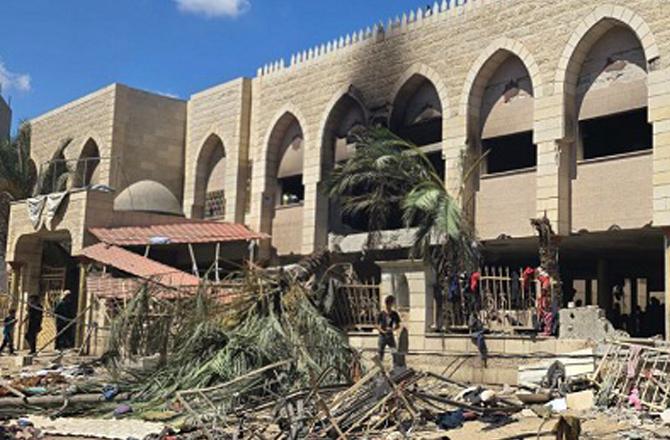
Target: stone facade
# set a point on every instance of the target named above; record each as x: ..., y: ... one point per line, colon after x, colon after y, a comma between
x: 493, y: 67
x: 447, y: 45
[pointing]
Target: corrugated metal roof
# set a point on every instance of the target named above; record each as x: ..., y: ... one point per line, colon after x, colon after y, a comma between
x: 187, y: 232
x: 139, y: 266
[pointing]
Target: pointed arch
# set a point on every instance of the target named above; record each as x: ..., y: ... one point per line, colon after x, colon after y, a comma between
x: 346, y: 107
x: 283, y: 190
x: 431, y: 75
x: 87, y: 168
x: 585, y: 37
x: 502, y: 86
x: 588, y: 31
x: 344, y: 113
x: 209, y: 195
x: 485, y: 66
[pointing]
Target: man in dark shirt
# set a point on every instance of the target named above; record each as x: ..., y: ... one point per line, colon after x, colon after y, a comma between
x: 8, y: 332
x: 388, y: 321
x: 35, y: 315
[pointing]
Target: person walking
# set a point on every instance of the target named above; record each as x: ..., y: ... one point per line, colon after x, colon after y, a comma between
x: 8, y: 332
x: 35, y: 315
x: 388, y: 322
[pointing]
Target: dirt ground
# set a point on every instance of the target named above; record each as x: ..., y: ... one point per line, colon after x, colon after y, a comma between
x: 594, y: 426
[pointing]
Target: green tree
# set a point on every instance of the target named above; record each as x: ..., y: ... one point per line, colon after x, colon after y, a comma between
x: 388, y: 176
x: 18, y: 175
x: 19, y: 178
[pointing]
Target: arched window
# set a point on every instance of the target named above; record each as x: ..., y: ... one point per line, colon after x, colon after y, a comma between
x: 210, y: 200
x: 417, y: 117
x: 346, y: 116
x: 87, y: 172
x: 611, y: 97
x: 290, y: 189
x: 506, y: 118
x: 283, y: 212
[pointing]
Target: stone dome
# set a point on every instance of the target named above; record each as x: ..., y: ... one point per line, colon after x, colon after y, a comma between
x: 148, y: 196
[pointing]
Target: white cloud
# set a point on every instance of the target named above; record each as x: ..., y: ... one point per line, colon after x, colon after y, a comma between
x: 166, y: 94
x: 214, y: 8
x: 16, y: 81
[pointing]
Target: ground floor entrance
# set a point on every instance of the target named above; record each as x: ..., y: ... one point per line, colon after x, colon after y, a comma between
x: 622, y: 272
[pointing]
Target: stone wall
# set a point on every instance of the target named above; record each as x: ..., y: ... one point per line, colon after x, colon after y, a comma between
x: 149, y: 139
x: 89, y: 117
x: 458, y: 50
x: 223, y: 111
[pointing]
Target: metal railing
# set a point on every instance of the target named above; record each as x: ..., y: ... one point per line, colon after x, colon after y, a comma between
x: 357, y: 306
x: 500, y: 301
x: 215, y: 204
x: 58, y: 175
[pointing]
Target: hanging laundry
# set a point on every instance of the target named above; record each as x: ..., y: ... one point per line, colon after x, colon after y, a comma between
x: 474, y: 281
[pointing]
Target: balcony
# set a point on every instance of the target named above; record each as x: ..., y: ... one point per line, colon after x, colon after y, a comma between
x: 58, y: 175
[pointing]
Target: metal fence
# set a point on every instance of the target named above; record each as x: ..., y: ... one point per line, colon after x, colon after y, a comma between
x: 500, y: 301
x: 357, y: 306
x: 57, y: 175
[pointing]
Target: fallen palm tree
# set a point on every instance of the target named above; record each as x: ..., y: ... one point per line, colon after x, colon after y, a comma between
x: 270, y: 322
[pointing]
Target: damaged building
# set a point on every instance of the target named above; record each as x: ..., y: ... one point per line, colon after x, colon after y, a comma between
x: 568, y: 102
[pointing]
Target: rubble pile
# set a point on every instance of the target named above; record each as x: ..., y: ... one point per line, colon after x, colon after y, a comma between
x: 266, y: 363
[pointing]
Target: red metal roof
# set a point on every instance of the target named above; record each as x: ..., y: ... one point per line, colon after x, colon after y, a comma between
x: 108, y: 287
x: 138, y: 265
x: 194, y: 231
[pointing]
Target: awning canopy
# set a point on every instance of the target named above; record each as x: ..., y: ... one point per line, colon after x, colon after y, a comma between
x: 139, y: 266
x: 194, y: 231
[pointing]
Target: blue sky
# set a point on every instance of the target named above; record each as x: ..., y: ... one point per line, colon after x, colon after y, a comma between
x: 53, y: 51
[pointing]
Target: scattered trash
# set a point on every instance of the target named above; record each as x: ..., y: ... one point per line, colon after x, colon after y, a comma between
x: 558, y: 405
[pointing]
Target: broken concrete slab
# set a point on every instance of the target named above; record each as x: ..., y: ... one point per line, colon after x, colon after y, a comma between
x: 96, y: 428
x: 580, y: 401
x: 588, y: 323
x: 577, y: 363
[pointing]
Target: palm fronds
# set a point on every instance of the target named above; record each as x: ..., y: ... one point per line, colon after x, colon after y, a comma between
x: 203, y: 342
x: 375, y: 180
x: 389, y: 177
x: 17, y: 170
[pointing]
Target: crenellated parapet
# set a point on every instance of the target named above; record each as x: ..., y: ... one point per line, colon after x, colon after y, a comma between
x: 375, y: 33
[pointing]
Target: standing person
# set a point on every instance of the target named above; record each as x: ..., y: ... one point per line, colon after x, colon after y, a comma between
x: 388, y: 321
x: 8, y: 332
x: 34, y: 327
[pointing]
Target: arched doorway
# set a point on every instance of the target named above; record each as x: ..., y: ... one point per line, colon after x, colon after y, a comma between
x: 210, y: 201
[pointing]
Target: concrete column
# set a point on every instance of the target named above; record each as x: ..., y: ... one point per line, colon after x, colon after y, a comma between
x: 659, y: 116
x: 81, y: 305
x: 315, y: 219
x: 420, y: 291
x: 554, y: 184
x: 15, y: 285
